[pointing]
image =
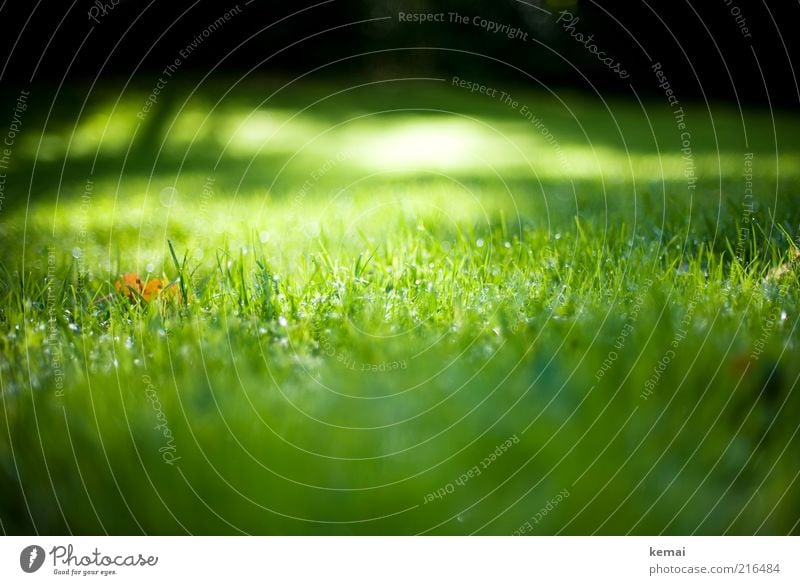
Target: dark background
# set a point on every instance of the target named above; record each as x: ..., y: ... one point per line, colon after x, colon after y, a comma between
x: 698, y: 42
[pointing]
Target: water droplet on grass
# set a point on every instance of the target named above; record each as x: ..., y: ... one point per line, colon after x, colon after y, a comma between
x: 168, y: 196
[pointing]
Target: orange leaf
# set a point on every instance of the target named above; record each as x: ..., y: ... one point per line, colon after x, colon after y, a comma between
x: 129, y: 283
x: 154, y: 287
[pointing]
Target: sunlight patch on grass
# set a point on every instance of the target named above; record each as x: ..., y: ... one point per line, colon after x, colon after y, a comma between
x: 98, y: 131
x: 470, y: 145
x: 440, y: 144
x: 264, y: 131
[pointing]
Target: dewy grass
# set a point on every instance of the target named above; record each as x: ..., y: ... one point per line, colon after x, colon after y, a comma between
x: 334, y: 359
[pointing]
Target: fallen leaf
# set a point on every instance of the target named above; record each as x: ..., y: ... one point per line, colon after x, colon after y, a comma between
x: 132, y: 286
x: 129, y: 285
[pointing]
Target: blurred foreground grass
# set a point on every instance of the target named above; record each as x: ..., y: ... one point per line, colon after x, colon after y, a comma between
x: 424, y: 317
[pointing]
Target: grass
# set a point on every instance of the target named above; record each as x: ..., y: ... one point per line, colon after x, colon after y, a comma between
x: 404, y: 321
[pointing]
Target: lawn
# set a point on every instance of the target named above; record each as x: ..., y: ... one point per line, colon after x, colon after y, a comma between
x: 399, y: 307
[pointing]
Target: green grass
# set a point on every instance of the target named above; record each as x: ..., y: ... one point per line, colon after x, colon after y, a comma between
x: 376, y: 301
